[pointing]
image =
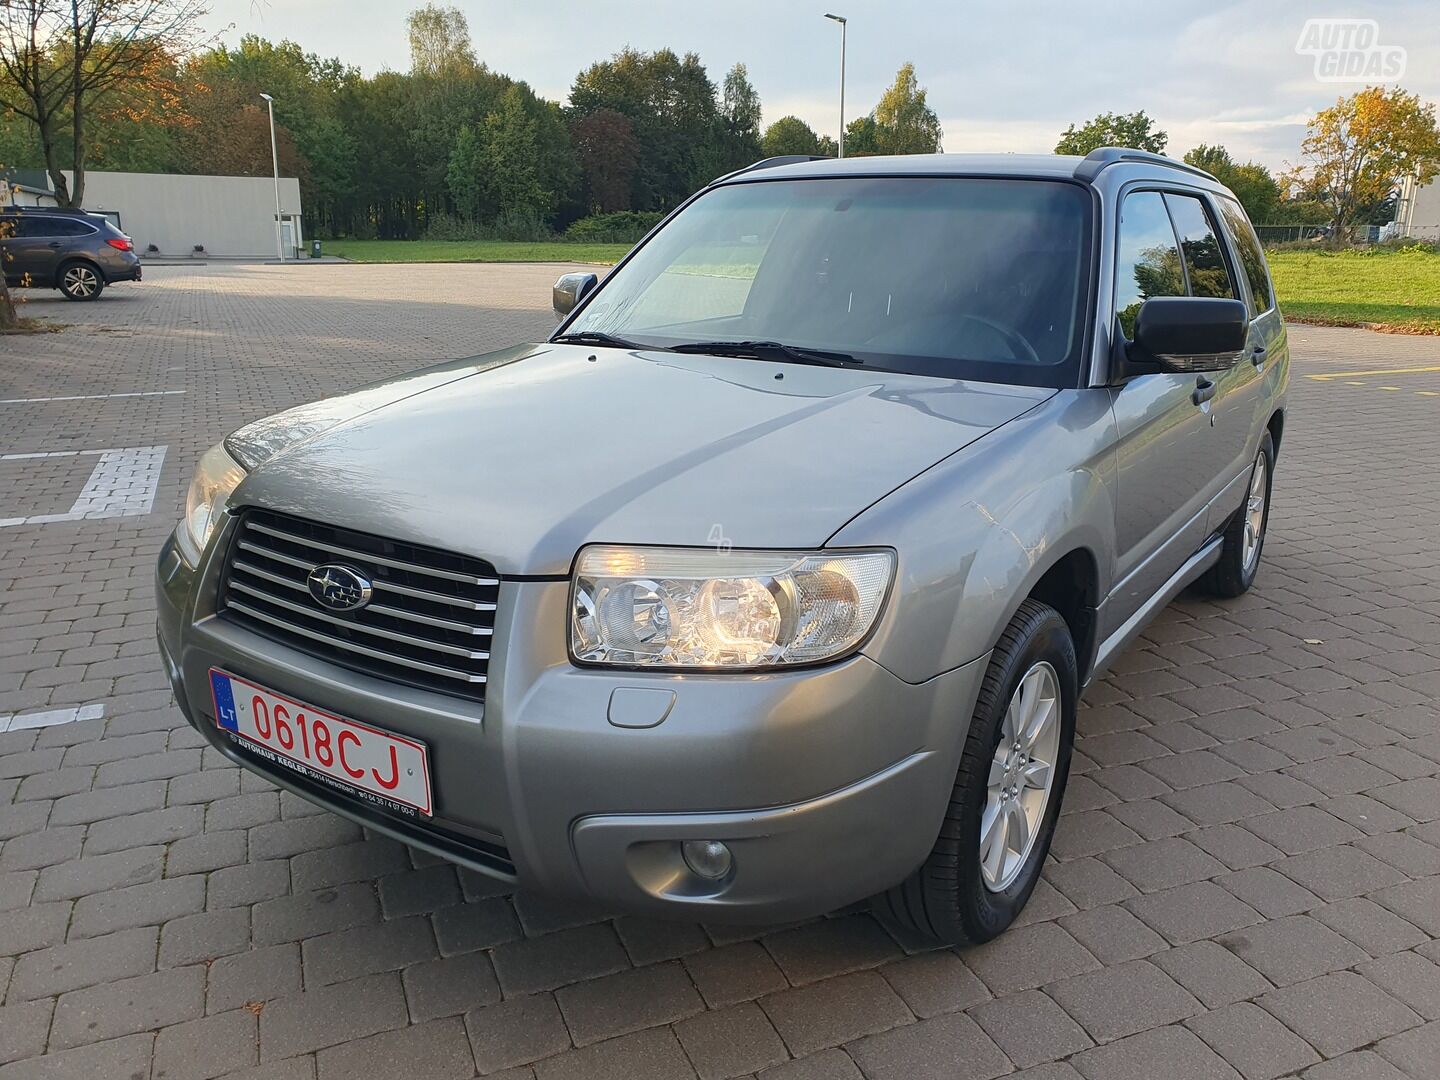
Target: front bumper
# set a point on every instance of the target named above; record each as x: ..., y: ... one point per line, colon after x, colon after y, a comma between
x: 828, y: 784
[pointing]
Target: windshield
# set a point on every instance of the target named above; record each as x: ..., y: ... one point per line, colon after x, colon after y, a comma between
x: 951, y: 277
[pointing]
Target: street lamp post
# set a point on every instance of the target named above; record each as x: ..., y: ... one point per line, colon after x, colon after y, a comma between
x: 842, y: 21
x: 275, y: 162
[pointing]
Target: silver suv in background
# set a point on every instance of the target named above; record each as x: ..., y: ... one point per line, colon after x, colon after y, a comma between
x: 771, y: 581
x: 76, y: 252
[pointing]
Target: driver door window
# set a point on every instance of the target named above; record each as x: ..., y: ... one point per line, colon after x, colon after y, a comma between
x: 1204, y: 264
x: 1147, y: 260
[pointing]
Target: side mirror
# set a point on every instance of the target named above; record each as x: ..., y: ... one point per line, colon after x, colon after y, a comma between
x: 569, y: 291
x: 1188, y: 333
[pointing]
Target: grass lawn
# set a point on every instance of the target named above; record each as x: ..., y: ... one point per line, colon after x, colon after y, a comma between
x: 1398, y: 291
x: 432, y: 251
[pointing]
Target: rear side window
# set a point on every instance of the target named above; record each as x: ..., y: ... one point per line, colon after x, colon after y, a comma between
x: 1200, y: 247
x: 1148, y: 260
x: 1252, y: 258
x: 27, y: 225
x: 70, y: 227
x: 50, y: 225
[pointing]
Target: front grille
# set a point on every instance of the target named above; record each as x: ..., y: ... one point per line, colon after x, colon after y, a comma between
x: 428, y: 624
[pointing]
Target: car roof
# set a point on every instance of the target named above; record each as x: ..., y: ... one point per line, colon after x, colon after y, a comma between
x: 1055, y: 166
x: 1086, y: 169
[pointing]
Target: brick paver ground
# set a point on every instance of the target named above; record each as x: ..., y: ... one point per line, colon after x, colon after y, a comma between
x: 1246, y: 880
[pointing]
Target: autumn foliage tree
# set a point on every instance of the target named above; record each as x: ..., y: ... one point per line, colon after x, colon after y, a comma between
x: 1357, y: 151
x: 65, y: 58
x: 241, y: 147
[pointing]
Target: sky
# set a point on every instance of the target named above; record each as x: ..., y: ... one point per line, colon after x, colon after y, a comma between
x: 1001, y: 76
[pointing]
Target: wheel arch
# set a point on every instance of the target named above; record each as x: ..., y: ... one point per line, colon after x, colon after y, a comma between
x: 1071, y: 586
x: 1276, y: 426
x: 71, y: 260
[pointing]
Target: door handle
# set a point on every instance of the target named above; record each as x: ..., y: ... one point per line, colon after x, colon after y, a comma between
x: 1204, y: 391
x: 55, y: 244
x: 1257, y: 356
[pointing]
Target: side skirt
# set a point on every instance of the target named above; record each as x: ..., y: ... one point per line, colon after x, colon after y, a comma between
x: 1129, y: 630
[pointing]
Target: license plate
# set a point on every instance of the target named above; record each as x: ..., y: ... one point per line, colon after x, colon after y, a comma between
x: 376, y: 764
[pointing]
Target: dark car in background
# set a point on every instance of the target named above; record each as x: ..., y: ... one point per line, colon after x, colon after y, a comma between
x: 77, y: 252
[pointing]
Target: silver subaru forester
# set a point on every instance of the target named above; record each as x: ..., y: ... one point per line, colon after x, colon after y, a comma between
x: 770, y: 582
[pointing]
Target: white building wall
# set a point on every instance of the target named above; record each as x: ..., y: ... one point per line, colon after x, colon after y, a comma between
x: 1421, y: 217
x: 230, y: 215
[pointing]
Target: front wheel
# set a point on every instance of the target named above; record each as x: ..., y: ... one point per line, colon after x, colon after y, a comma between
x: 1003, y: 809
x: 1244, y: 536
x: 81, y: 281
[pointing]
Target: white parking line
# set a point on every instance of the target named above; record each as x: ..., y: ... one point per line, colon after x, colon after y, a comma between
x: 50, y: 718
x: 123, y: 484
x: 87, y: 397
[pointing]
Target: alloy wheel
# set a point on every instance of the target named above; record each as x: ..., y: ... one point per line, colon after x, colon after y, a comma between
x: 1255, y: 513
x: 1021, y: 775
x: 80, y: 282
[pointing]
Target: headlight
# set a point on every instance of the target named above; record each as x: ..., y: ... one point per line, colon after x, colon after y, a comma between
x: 689, y: 608
x: 216, y: 477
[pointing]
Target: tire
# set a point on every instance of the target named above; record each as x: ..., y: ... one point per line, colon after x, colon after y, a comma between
x: 80, y: 280
x: 949, y: 898
x: 1239, y: 559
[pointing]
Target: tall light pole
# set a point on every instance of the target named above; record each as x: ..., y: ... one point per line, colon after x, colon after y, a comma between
x: 275, y: 162
x: 842, y: 21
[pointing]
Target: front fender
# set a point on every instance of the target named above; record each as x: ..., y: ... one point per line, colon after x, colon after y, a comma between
x: 978, y: 531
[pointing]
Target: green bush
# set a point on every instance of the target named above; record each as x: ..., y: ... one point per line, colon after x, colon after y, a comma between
x: 520, y: 225
x: 443, y: 226
x: 616, y: 227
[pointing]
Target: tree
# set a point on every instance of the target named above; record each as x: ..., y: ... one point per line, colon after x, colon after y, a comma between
x: 439, y: 40
x: 904, y: 122
x: 862, y: 137
x: 64, y: 56
x: 465, y: 176
x: 241, y: 146
x: 1357, y: 151
x: 670, y: 101
x: 1135, y: 130
x: 609, y: 153
x: 307, y: 89
x: 740, y: 105
x: 9, y: 320
x: 1257, y: 190
x: 790, y: 135
x: 507, y: 158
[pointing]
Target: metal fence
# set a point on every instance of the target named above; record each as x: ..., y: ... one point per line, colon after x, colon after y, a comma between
x: 1291, y: 234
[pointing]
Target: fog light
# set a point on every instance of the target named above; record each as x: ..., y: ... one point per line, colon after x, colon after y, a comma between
x: 707, y: 858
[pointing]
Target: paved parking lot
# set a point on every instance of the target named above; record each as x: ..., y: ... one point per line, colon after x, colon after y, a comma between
x: 1246, y: 880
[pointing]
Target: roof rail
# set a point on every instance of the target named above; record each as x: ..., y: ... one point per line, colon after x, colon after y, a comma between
x: 771, y: 163
x: 1098, y: 160
x: 71, y: 211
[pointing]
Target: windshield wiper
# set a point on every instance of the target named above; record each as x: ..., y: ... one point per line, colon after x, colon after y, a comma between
x: 769, y: 350
x: 598, y: 337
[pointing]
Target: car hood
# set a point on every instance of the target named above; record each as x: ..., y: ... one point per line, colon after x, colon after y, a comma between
x: 524, y: 456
